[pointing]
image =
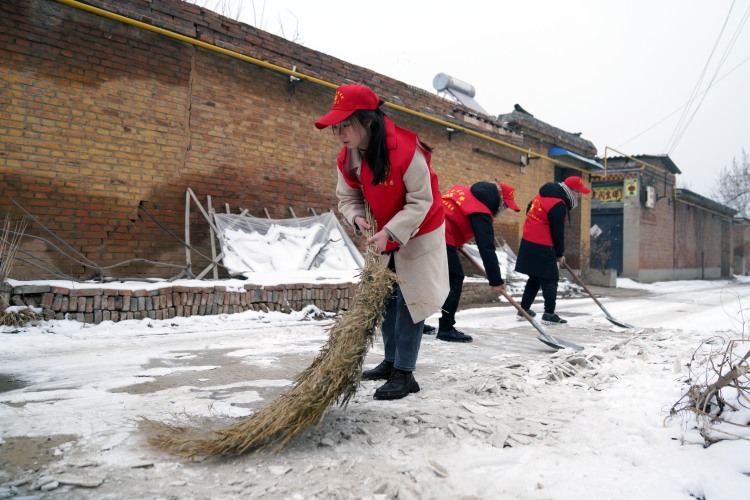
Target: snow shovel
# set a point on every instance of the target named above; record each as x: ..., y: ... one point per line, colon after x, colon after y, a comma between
x: 544, y: 337
x: 606, y: 313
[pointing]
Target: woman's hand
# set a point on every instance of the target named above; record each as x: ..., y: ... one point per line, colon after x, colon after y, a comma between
x: 380, y: 239
x: 500, y: 289
x: 561, y: 260
x: 361, y: 223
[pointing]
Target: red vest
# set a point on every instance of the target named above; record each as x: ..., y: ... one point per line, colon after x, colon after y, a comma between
x: 536, y: 229
x: 389, y: 197
x: 458, y: 204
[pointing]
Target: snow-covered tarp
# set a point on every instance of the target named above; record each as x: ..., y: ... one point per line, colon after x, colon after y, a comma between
x: 506, y: 258
x: 255, y: 245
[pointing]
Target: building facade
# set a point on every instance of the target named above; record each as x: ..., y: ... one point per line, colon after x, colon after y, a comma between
x: 647, y: 229
x: 110, y: 111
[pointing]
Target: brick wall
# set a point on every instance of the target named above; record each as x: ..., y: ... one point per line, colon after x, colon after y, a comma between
x: 657, y: 224
x: 99, y: 303
x: 702, y: 244
x: 741, y: 241
x: 99, y: 118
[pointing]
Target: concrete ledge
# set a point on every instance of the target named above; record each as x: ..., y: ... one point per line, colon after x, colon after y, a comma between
x: 607, y: 278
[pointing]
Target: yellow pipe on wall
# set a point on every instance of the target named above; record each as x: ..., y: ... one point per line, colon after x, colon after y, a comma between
x: 193, y: 41
x: 674, y: 179
x: 317, y: 81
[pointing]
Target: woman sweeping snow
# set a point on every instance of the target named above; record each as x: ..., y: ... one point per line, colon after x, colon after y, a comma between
x: 389, y: 168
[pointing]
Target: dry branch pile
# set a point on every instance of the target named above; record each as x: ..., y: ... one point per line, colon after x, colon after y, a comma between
x: 10, y: 240
x: 18, y: 318
x: 719, y: 391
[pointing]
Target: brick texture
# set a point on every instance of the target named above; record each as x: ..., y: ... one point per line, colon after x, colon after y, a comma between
x: 99, y: 118
x: 94, y: 305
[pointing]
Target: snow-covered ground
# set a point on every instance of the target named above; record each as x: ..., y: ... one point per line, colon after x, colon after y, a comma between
x: 502, y: 417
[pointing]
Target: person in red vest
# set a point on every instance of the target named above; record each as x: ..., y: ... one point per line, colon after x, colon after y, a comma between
x: 543, y: 243
x: 389, y: 168
x: 469, y: 213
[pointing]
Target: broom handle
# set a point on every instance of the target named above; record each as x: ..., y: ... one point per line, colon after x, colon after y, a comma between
x: 372, y: 249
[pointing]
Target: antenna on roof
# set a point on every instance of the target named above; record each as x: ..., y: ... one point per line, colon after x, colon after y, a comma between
x: 459, y: 90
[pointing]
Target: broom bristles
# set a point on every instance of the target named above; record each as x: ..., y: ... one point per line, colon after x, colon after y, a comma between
x: 333, y: 376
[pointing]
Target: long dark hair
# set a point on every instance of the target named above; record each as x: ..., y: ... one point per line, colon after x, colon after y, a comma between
x: 377, y: 150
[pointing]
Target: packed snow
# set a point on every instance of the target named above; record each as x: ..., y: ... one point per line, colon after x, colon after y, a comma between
x: 502, y: 417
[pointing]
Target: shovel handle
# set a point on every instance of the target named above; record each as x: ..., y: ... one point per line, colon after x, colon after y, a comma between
x: 544, y: 337
x: 518, y: 306
x: 601, y: 306
x: 581, y: 284
x: 504, y: 293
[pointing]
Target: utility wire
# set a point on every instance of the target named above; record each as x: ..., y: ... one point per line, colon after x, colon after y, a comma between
x: 683, y: 106
x: 694, y: 93
x: 89, y: 262
x: 718, y: 67
x: 184, y: 243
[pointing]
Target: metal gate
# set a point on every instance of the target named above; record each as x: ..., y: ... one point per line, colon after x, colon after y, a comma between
x: 606, y: 248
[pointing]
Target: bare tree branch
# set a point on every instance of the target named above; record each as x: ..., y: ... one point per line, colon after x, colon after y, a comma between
x: 733, y: 186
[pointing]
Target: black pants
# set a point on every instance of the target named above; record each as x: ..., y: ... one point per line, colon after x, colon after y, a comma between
x: 549, y: 292
x: 456, y: 281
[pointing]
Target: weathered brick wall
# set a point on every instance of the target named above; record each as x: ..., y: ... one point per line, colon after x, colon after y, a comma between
x: 741, y: 241
x: 701, y: 241
x: 98, y: 117
x: 657, y: 224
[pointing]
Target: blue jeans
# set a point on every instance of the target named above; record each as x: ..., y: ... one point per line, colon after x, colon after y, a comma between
x: 401, y: 336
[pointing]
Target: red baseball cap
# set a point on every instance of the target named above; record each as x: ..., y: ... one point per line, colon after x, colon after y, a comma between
x: 576, y: 183
x: 348, y: 99
x: 509, y: 193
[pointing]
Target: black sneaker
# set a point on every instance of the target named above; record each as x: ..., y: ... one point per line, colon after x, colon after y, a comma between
x: 552, y: 319
x: 453, y: 335
x: 429, y: 329
x: 381, y: 372
x: 528, y: 311
x: 399, y: 385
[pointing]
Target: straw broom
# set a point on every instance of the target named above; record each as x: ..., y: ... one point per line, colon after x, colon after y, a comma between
x: 334, y: 375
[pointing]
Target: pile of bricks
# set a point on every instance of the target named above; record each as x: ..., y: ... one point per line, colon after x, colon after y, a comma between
x: 99, y: 303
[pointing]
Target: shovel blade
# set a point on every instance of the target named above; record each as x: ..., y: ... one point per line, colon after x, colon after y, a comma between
x: 560, y: 343
x: 619, y: 323
x: 550, y: 343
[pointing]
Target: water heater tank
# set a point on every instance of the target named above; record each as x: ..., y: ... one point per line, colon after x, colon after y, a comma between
x: 443, y: 82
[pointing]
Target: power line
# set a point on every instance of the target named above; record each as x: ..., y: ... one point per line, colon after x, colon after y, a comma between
x: 721, y: 63
x: 694, y: 94
x: 684, y: 105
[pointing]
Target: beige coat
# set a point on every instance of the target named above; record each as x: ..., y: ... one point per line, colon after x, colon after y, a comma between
x: 421, y: 263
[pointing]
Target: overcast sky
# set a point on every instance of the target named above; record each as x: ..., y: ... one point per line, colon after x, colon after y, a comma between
x: 637, y: 76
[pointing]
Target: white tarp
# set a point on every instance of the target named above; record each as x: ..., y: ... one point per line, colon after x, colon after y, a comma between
x: 505, y: 258
x: 256, y: 245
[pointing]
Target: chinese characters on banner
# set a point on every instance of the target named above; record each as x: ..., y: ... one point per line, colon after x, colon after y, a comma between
x: 609, y: 194
x: 614, y: 192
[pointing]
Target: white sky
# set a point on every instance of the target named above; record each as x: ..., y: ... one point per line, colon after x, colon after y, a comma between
x: 622, y: 73
x: 490, y: 421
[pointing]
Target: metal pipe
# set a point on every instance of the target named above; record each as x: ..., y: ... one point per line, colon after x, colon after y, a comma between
x: 301, y: 76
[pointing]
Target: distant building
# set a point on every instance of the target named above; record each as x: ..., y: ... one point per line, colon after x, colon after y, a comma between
x: 647, y: 229
x: 567, y: 154
x: 741, y: 244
